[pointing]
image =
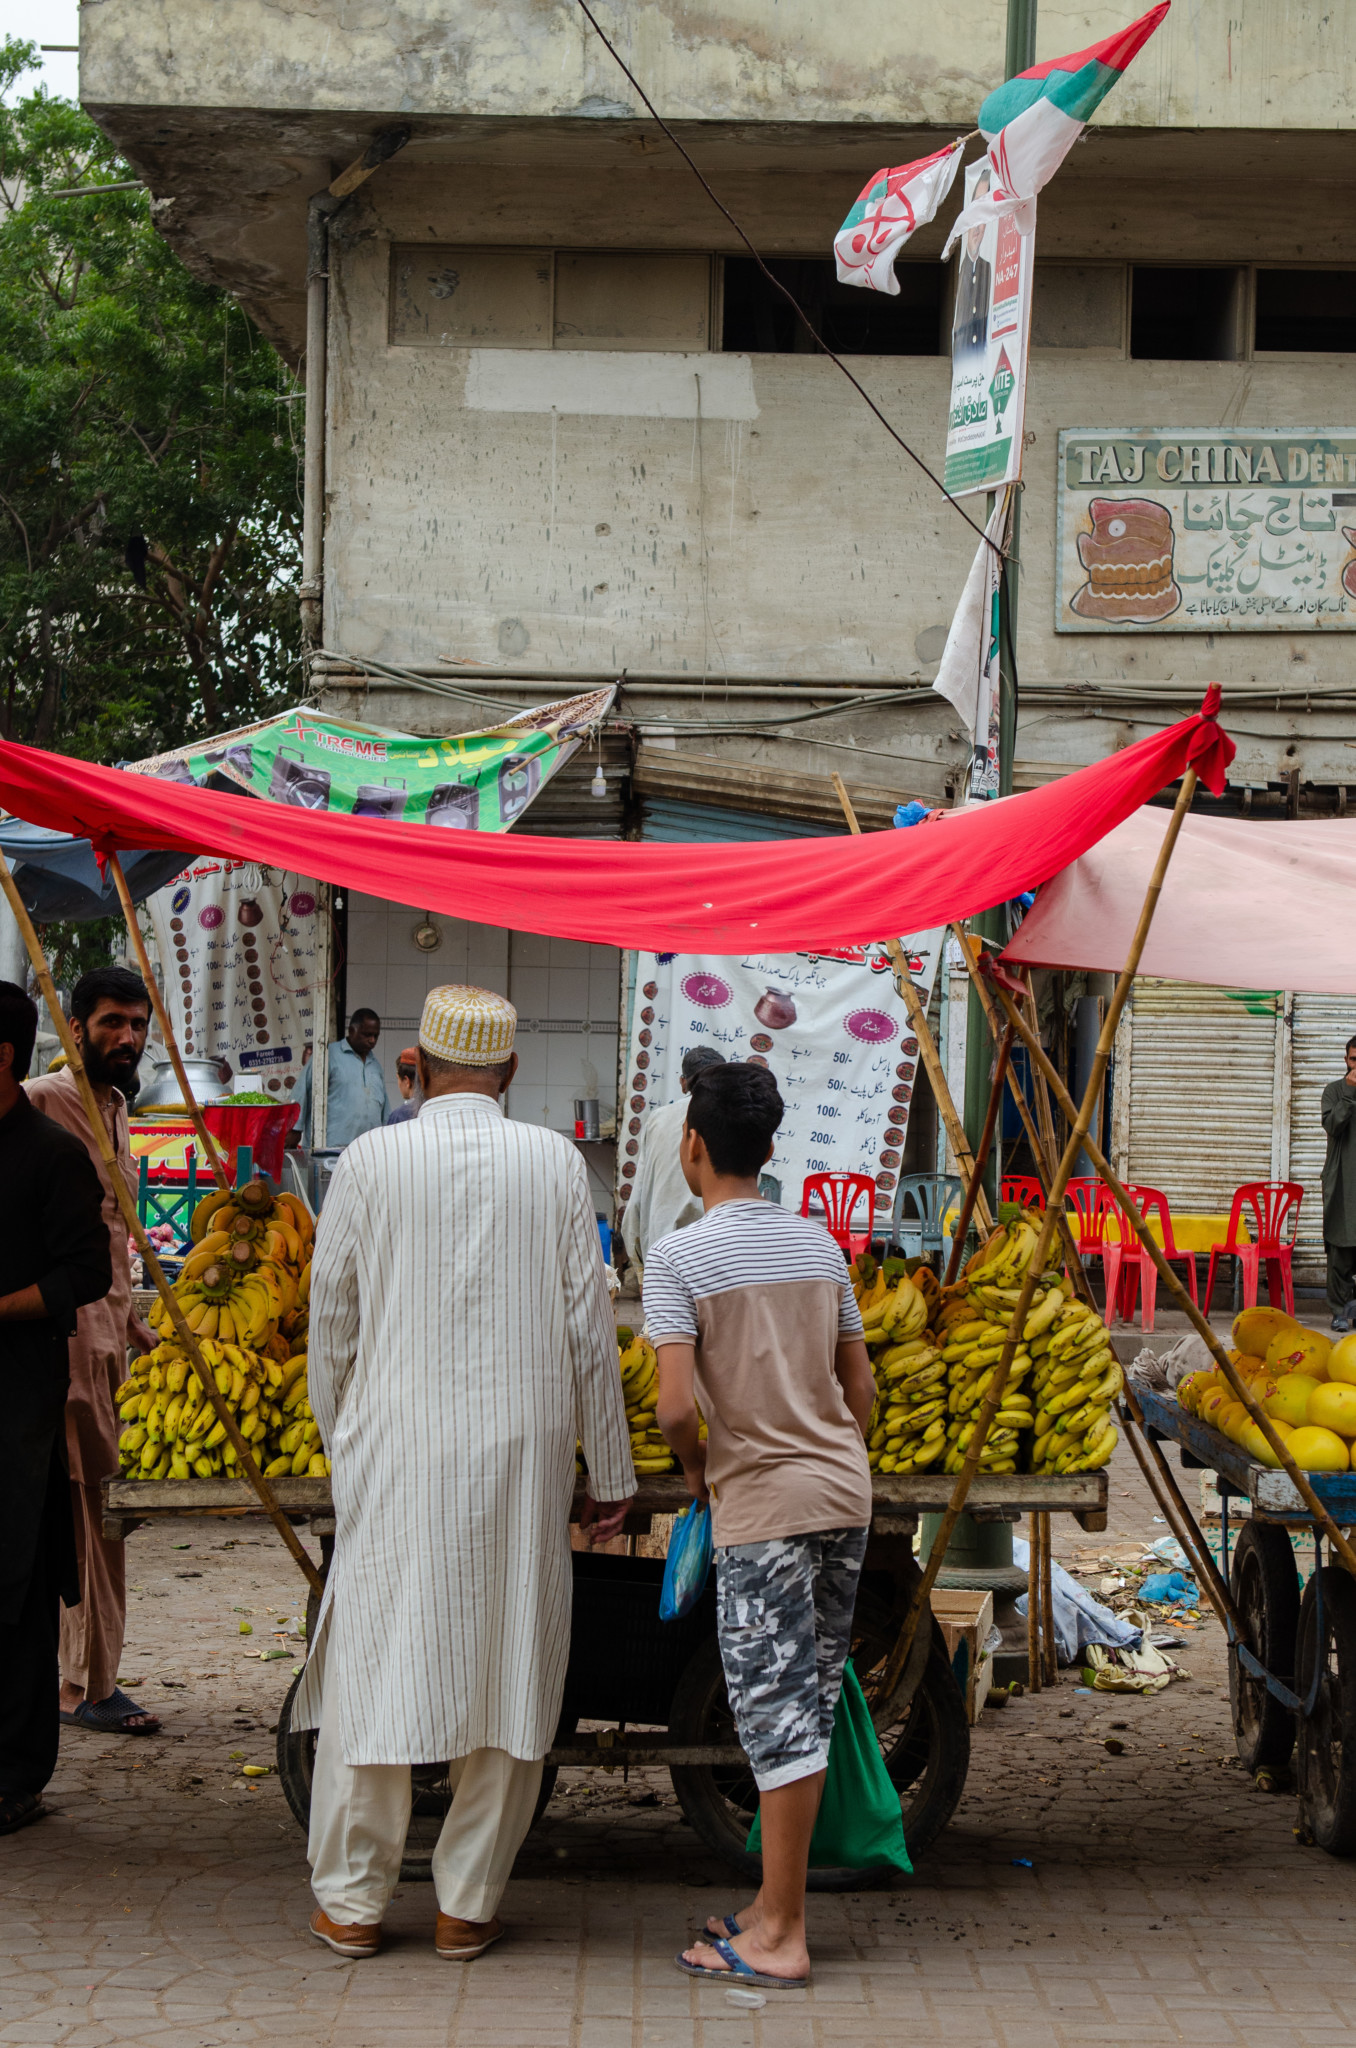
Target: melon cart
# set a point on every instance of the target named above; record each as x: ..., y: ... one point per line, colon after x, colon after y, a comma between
x: 641, y: 1692
x: 1292, y: 1636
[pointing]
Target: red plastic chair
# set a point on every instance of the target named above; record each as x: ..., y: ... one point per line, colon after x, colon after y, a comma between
x: 1023, y: 1188
x: 840, y: 1194
x: 1275, y: 1204
x: 1129, y: 1269
x: 1092, y: 1205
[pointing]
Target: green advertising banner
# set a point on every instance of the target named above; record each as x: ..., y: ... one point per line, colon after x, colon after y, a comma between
x: 474, y: 781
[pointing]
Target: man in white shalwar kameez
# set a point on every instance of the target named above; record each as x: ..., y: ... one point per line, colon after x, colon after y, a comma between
x: 460, y: 1339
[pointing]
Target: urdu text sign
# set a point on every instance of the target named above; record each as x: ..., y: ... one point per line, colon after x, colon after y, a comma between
x: 1190, y: 530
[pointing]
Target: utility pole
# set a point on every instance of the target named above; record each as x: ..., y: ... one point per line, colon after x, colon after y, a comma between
x: 1019, y: 56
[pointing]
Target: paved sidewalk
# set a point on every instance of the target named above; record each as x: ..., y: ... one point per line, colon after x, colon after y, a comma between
x: 166, y: 1900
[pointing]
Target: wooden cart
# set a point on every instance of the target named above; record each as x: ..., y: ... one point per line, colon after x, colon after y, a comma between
x: 1292, y: 1684
x: 657, y: 1688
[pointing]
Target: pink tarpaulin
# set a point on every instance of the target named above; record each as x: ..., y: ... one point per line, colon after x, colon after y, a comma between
x: 1243, y: 906
x: 777, y: 896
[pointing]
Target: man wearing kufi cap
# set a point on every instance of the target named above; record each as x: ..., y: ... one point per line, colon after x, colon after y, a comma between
x: 461, y: 1339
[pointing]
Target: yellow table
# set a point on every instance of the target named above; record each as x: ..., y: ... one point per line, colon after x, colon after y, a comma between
x: 1191, y: 1231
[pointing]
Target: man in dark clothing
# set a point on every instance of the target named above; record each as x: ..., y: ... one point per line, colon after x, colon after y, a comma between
x: 54, y: 1257
x: 1339, y: 1193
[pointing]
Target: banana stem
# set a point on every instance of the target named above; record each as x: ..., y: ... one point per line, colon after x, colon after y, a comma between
x: 244, y: 1455
x: 1054, y: 1207
x: 981, y: 1153
x: 927, y: 1045
x: 205, y: 1138
x: 1180, y: 1295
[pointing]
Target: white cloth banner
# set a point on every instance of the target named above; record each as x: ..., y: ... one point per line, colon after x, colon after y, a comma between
x: 887, y: 212
x: 238, y: 952
x: 968, y: 676
x: 1021, y: 158
x: 831, y: 1028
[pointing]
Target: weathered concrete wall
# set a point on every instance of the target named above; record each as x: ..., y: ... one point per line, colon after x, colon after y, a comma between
x: 533, y: 507
x: 1274, y: 63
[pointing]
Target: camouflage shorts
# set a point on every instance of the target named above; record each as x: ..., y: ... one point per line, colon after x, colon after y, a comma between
x: 784, y: 1617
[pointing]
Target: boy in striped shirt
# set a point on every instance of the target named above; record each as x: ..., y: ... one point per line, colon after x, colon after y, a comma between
x: 752, y: 1314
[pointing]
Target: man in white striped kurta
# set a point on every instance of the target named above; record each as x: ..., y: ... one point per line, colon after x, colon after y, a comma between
x: 460, y: 1337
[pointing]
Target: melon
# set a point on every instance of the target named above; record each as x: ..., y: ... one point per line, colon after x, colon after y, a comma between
x: 1342, y: 1361
x: 1254, y: 1328
x: 1299, y: 1350
x: 1256, y: 1445
x: 1334, y: 1408
x: 1231, y: 1418
x: 1290, y: 1402
x: 1318, y: 1450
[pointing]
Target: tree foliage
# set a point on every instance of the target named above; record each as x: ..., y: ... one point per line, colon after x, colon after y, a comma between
x: 149, y: 465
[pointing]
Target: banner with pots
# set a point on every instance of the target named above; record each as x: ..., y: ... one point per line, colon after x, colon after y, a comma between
x: 238, y: 947
x: 830, y: 1027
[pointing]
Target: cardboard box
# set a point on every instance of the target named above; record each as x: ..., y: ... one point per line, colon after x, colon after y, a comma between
x: 966, y: 1622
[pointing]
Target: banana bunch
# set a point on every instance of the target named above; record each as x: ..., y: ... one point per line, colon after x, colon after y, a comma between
x: 248, y: 1273
x: 908, y: 1427
x: 171, y: 1428
x: 294, y: 1449
x: 972, y: 1329
x: 1075, y: 1381
x: 640, y: 1390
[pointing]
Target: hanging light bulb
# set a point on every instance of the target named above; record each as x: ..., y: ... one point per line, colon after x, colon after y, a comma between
x: 598, y: 786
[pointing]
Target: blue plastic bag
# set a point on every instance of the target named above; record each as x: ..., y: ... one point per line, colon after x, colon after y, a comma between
x: 1170, y: 1589
x: 688, y: 1564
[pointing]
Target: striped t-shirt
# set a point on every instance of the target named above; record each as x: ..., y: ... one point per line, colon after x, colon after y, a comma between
x: 765, y: 1297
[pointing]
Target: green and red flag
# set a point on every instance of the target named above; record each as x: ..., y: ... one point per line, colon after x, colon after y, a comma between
x: 1032, y: 122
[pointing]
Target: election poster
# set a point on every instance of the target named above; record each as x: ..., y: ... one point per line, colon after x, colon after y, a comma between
x: 990, y: 331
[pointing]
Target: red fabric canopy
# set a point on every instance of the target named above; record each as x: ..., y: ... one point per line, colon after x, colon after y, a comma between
x: 778, y: 896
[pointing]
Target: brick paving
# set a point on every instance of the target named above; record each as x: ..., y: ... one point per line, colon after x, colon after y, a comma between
x: 166, y: 1900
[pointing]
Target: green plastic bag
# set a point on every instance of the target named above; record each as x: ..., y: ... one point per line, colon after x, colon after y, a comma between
x: 860, y: 1826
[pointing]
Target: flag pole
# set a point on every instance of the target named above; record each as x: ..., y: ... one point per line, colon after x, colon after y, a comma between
x: 927, y: 1044
x: 136, y: 1230
x: 205, y: 1138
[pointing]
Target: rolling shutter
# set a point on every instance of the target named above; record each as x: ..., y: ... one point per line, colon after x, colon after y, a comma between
x: 1322, y: 1026
x: 1205, y: 1090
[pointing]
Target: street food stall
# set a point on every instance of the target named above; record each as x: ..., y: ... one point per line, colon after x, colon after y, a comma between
x: 219, y: 1422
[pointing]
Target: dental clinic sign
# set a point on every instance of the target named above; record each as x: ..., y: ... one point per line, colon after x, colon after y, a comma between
x: 1178, y: 530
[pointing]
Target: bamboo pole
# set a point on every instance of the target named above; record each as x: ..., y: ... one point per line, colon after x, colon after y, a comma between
x: 1178, y: 1291
x: 1050, y: 1668
x: 205, y: 1138
x: 1167, y: 1493
x: 221, y: 1407
x: 1034, y: 1659
x: 997, y: 1387
x: 918, y: 1024
x: 1045, y: 1158
x: 981, y: 1153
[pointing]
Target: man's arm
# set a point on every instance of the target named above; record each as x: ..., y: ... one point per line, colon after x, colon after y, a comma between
x: 332, y: 1340
x: 591, y: 1335
x: 852, y: 1368
x: 78, y: 1258
x: 1339, y: 1107
x: 676, y: 1412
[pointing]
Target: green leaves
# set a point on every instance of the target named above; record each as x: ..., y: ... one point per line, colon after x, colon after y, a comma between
x: 149, y: 465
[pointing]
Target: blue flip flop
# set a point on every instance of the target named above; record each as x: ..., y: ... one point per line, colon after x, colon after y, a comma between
x: 738, y: 1971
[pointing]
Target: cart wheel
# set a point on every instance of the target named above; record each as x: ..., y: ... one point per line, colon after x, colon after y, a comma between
x: 927, y: 1757
x: 432, y: 1795
x: 1265, y: 1587
x: 1326, y: 1771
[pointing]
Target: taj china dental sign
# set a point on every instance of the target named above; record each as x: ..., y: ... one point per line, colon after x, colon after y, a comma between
x: 1190, y: 530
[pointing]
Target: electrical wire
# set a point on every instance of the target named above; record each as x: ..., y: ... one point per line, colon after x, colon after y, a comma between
x: 790, y: 297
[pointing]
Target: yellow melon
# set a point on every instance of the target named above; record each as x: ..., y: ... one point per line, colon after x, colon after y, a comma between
x: 1342, y: 1361
x: 1318, y: 1450
x: 1334, y: 1408
x: 1299, y: 1350
x: 1212, y: 1401
x: 1254, y: 1329
x: 1231, y: 1418
x: 1290, y: 1402
x: 1256, y: 1445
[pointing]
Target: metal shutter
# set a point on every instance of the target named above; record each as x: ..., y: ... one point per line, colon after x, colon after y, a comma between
x: 1205, y: 1090
x: 1322, y: 1025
